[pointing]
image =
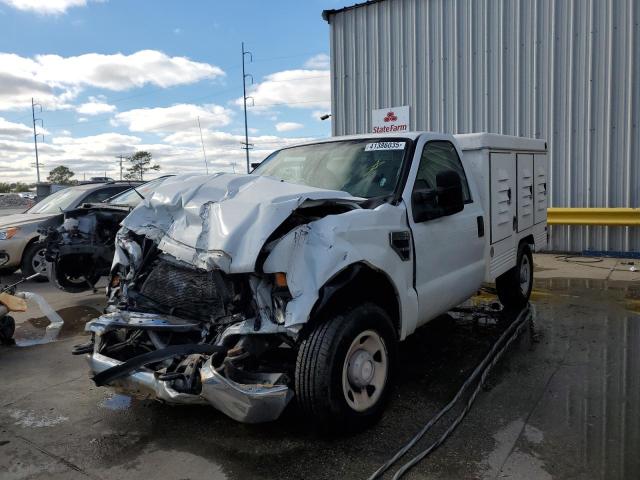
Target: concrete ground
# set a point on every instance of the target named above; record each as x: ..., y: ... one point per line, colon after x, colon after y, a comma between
x: 564, y: 402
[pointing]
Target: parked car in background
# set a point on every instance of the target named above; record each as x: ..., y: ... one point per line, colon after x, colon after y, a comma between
x: 19, y: 236
x: 80, y: 251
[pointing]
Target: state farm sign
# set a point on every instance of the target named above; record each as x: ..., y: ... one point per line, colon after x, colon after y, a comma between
x: 393, y: 119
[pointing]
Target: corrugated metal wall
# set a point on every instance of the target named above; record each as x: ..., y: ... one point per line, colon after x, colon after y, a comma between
x: 564, y: 70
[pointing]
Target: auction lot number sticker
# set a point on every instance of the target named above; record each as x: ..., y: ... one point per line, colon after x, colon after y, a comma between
x: 374, y: 147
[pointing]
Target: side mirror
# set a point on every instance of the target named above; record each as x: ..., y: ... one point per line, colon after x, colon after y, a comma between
x: 450, y: 198
x: 424, y: 202
x: 447, y: 199
x: 255, y: 165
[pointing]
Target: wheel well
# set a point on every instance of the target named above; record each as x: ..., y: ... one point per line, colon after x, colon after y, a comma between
x: 29, y: 243
x: 357, y: 283
x: 528, y: 240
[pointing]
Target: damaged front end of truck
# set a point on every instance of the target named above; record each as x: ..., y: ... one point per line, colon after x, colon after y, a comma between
x: 211, y: 283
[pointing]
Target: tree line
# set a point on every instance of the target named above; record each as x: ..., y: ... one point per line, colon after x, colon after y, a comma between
x: 140, y: 163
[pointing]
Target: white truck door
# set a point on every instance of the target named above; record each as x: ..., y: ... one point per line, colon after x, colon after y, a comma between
x: 503, y: 192
x: 540, y: 187
x: 525, y: 191
x: 449, y: 250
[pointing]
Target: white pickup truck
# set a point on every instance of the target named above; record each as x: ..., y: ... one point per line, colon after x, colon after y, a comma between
x: 302, y: 278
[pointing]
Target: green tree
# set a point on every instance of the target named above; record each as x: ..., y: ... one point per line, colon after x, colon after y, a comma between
x: 140, y: 164
x: 61, y: 175
x: 5, y: 187
x: 21, y: 187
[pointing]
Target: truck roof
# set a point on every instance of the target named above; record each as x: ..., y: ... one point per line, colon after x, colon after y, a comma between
x: 466, y: 141
x: 478, y: 141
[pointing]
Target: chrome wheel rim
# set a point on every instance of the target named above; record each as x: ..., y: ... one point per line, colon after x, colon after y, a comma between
x: 39, y: 263
x: 365, y: 369
x: 525, y: 274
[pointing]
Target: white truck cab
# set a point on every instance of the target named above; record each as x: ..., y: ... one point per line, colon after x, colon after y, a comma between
x: 302, y: 278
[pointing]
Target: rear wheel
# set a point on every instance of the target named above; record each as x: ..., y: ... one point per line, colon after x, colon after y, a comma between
x: 34, y: 262
x: 344, y: 368
x: 514, y: 287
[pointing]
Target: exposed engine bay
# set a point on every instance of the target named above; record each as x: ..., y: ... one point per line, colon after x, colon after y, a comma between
x: 80, y: 250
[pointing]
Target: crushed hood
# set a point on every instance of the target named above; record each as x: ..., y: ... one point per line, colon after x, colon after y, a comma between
x: 223, y: 220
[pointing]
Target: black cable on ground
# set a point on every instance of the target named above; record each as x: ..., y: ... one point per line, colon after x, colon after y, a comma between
x: 481, y: 371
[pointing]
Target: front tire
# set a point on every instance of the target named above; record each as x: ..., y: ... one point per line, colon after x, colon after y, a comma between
x: 514, y: 287
x: 34, y: 262
x: 344, y: 368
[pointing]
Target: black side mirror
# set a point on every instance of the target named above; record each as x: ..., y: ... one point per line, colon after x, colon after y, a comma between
x: 255, y: 165
x: 446, y: 199
x: 450, y: 198
x: 424, y: 202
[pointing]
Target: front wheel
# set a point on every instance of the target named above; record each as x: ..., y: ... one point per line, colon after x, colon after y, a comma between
x: 34, y: 262
x: 514, y: 287
x: 344, y: 368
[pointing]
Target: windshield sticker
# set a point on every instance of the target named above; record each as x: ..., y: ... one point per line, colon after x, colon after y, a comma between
x: 374, y: 147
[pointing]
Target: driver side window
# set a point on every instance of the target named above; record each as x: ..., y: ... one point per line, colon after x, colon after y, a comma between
x: 439, y: 156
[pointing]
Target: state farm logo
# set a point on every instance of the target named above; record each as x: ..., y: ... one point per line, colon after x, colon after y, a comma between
x: 391, y: 117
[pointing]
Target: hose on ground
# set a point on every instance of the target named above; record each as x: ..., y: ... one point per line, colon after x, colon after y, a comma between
x: 481, y: 371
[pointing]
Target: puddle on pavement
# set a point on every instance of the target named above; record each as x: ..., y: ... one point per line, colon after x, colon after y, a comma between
x: 116, y: 401
x: 34, y: 330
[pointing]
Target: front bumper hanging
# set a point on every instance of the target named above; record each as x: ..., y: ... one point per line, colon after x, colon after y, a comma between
x: 262, y: 400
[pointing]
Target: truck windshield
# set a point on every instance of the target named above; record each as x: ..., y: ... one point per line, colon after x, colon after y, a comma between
x: 364, y: 168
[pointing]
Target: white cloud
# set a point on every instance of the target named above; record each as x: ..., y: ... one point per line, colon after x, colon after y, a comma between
x: 11, y: 129
x: 56, y: 80
x: 318, y: 62
x: 54, y: 7
x: 179, y: 152
x: 288, y: 126
x: 175, y: 118
x: 95, y: 106
x: 293, y: 88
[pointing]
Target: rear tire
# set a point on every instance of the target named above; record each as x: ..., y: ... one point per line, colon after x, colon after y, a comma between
x: 514, y: 287
x: 345, y: 368
x: 33, y: 262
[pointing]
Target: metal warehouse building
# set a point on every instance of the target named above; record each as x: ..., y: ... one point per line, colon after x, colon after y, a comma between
x: 567, y: 71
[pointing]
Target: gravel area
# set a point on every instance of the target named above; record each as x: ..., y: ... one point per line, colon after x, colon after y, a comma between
x: 13, y: 200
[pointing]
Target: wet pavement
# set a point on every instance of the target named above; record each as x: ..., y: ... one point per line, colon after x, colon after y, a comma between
x: 564, y: 402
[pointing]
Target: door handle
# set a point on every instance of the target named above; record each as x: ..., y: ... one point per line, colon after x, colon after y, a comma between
x: 509, y: 196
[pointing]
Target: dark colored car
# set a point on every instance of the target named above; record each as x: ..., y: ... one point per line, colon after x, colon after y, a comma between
x: 19, y: 237
x: 80, y: 251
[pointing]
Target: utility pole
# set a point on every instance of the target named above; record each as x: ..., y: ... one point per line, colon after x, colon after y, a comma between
x: 121, y: 157
x: 35, y: 135
x: 246, y: 145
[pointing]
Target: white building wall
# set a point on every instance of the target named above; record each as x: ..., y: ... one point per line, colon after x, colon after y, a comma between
x: 567, y: 71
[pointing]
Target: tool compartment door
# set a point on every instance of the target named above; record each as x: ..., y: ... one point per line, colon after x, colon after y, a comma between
x: 503, y: 174
x: 540, y: 198
x: 525, y: 191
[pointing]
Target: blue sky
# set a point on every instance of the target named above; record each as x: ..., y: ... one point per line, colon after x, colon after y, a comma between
x: 114, y: 76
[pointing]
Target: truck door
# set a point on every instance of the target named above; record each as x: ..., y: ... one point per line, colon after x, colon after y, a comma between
x: 449, y: 262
